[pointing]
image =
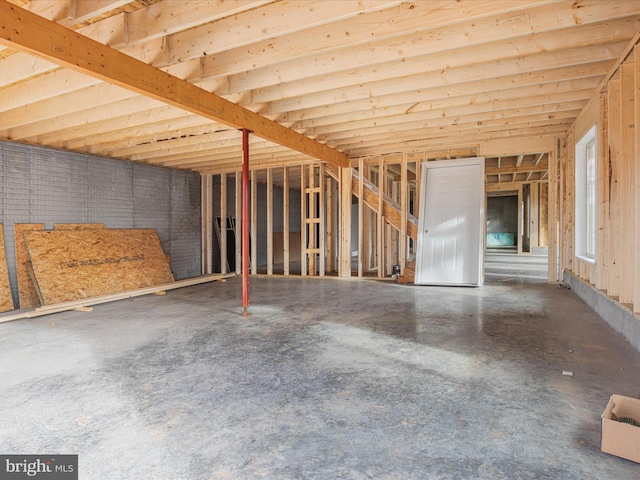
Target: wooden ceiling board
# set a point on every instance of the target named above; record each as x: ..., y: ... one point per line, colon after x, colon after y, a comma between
x: 361, y: 78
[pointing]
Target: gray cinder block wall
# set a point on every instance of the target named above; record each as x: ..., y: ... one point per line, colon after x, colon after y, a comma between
x: 618, y: 316
x: 41, y: 185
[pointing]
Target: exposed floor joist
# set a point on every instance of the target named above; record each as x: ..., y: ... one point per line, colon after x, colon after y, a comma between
x: 29, y: 32
x: 363, y: 78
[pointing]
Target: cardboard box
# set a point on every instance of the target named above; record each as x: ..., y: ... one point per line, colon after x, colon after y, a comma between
x: 619, y: 438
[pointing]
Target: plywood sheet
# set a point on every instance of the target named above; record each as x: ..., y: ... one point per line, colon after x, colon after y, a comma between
x: 6, y: 300
x: 294, y: 247
x: 26, y: 291
x: 34, y: 281
x: 78, y: 226
x: 75, y: 264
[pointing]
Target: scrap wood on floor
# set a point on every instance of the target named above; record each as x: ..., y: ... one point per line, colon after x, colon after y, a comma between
x: 83, y: 305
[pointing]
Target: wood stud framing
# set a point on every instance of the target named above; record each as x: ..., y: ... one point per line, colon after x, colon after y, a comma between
x: 238, y: 222
x: 254, y: 223
x: 344, y: 252
x: 635, y: 169
x: 207, y: 224
x: 149, y: 100
x: 223, y: 224
x: 285, y: 221
x: 627, y: 184
x: 269, y: 222
x: 615, y: 109
x: 382, y: 242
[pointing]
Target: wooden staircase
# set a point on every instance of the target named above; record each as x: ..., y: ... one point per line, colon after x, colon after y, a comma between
x: 390, y: 209
x: 409, y: 274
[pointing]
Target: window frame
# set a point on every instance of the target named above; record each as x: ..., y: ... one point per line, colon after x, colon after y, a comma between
x: 586, y: 196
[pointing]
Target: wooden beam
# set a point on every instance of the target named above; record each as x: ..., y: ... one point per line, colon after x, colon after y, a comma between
x: 311, y: 218
x: 509, y: 169
x: 534, y: 215
x: 636, y: 167
x: 602, y: 248
x: 627, y: 185
x: 84, y: 10
x: 285, y: 221
x: 389, y: 209
x: 254, y: 223
x: 344, y: 265
x: 304, y: 240
x: 552, y: 215
x: 566, y: 202
x: 238, y: 222
x: 543, y: 238
x: 380, y: 27
x: 166, y: 18
x: 331, y: 219
x: 207, y: 223
x: 503, y: 93
x: 612, y: 71
x: 404, y: 210
x: 509, y: 186
x: 322, y: 258
x: 366, y: 228
x: 224, y: 264
x: 520, y: 222
x: 28, y: 32
x: 615, y: 137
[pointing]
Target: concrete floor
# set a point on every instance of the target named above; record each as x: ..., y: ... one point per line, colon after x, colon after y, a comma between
x: 327, y: 379
x: 508, y: 264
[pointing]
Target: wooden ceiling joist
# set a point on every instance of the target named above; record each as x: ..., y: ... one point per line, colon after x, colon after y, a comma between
x: 29, y: 32
x: 368, y: 78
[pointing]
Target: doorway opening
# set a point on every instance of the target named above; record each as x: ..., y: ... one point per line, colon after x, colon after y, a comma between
x: 512, y: 241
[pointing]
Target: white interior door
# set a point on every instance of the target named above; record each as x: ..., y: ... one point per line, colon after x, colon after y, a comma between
x: 451, y: 223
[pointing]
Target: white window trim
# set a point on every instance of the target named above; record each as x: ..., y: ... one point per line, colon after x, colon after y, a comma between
x: 581, y: 196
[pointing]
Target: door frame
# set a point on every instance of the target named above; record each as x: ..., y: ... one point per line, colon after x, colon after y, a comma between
x: 426, y: 166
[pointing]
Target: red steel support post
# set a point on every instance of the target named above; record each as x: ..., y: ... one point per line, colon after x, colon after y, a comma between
x: 245, y: 220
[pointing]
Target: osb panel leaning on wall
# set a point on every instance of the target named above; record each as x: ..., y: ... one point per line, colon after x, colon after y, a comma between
x: 26, y: 291
x: 75, y: 264
x: 78, y: 226
x: 6, y: 301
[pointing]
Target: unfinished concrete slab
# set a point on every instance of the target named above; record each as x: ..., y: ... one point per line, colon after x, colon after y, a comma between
x: 325, y: 379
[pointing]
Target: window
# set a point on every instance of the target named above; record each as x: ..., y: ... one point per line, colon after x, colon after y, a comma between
x: 586, y: 195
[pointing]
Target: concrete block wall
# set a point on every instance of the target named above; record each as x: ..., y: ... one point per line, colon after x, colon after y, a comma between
x: 41, y: 185
x: 619, y: 317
